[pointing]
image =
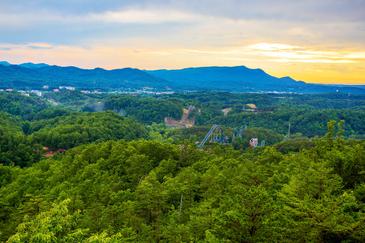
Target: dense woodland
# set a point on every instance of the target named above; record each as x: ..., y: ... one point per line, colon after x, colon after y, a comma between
x: 123, y: 176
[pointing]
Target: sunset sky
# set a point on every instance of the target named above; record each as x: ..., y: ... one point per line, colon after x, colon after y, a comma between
x: 310, y: 40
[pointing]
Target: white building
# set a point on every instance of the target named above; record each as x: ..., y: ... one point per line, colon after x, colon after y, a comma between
x: 37, y: 92
x: 67, y: 88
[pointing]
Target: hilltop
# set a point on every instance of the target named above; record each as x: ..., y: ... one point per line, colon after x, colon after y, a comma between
x: 231, y: 79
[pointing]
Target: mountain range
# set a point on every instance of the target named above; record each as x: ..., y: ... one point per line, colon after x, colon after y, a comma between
x: 233, y: 79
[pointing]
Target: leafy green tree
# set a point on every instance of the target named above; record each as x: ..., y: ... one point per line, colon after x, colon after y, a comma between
x: 81, y: 128
x: 54, y: 225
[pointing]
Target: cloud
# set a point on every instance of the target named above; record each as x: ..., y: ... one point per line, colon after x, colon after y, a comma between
x: 280, y: 59
x: 144, y: 16
x: 124, y: 16
x: 204, y: 22
x: 282, y: 36
x: 40, y: 46
x: 272, y: 47
x: 290, y: 53
x: 272, y: 52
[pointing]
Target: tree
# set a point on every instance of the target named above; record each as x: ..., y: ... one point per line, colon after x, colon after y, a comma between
x: 54, y: 225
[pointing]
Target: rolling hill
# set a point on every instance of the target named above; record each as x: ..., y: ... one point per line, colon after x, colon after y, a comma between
x: 232, y: 79
x: 226, y: 78
x: 34, y: 76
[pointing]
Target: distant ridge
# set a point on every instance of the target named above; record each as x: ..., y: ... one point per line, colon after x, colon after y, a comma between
x: 240, y: 77
x: 4, y: 63
x: 35, y: 76
x: 33, y: 65
x: 244, y: 79
x: 218, y: 78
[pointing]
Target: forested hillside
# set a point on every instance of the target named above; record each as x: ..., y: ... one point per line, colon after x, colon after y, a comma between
x: 15, y: 147
x: 145, y: 191
x: 80, y: 128
x: 105, y: 168
x: 20, y: 105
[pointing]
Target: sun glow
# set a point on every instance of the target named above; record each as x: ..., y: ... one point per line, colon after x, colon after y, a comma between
x: 307, y: 64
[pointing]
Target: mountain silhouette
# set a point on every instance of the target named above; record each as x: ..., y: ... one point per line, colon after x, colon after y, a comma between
x: 232, y: 79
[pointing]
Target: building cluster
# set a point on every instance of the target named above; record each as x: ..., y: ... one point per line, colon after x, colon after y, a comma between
x: 45, y: 88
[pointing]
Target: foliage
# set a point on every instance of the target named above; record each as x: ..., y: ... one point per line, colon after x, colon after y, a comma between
x: 81, y: 128
x: 148, y: 191
x: 19, y: 105
x: 111, y: 185
x: 15, y: 147
x: 144, y: 109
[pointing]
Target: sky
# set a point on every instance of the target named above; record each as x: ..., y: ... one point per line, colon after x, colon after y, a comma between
x: 318, y: 41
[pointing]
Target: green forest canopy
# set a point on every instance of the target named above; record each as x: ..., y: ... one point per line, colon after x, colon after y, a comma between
x: 149, y: 191
x: 125, y: 177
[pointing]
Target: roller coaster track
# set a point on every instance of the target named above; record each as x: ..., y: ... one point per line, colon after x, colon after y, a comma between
x: 215, y: 134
